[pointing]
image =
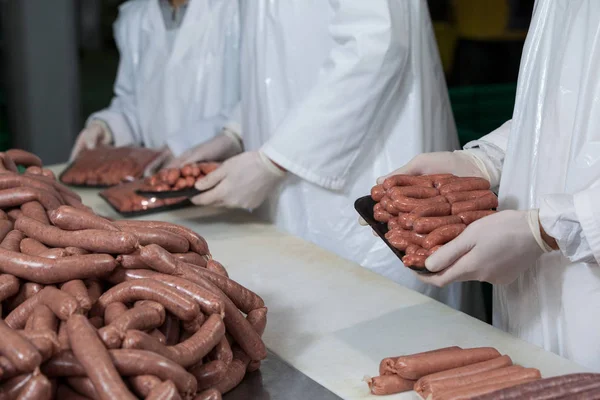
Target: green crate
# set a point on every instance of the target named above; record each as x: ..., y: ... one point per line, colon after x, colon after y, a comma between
x: 478, y: 110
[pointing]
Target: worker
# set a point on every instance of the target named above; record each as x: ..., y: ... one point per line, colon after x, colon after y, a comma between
x: 326, y: 110
x: 178, y: 79
x: 542, y: 250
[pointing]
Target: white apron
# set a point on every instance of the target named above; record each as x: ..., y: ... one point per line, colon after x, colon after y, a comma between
x: 179, y: 95
x: 340, y: 93
x: 553, y: 149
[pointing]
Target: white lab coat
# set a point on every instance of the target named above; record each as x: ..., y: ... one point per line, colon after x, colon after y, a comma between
x: 549, y: 158
x: 179, y: 95
x: 341, y: 92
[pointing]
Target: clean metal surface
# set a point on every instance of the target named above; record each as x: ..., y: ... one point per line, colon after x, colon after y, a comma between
x: 277, y: 380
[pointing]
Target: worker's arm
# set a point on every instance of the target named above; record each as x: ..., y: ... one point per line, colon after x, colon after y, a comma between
x: 574, y: 222
x: 490, y: 150
x: 121, y: 116
x: 321, y: 137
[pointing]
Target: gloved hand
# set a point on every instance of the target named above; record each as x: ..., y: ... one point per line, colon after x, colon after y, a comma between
x: 243, y: 181
x: 221, y: 147
x: 93, y: 135
x: 495, y: 249
x: 459, y: 163
x: 165, y: 156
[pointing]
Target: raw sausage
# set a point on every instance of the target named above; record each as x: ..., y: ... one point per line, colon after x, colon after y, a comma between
x: 469, y: 217
x: 416, y: 250
x: 486, y: 202
x: 209, y: 302
x: 417, y: 366
x: 49, y: 271
x: 408, y: 204
x: 413, y: 260
x: 33, y: 209
x: 18, y: 350
x: 14, y: 197
x: 164, y: 391
x: 432, y: 210
x: 197, y: 242
x: 549, y: 388
x: 32, y: 247
x: 416, y: 192
x: 162, y: 261
x: 143, y: 384
x: 9, y: 286
x: 184, y: 307
x: 78, y: 290
x: 464, y: 185
x: 62, y: 304
x: 24, y: 158
x: 424, y: 384
x: 12, y: 241
x: 455, y: 197
x: 209, y: 374
x: 169, y: 241
x: 429, y: 224
x: 406, y: 180
x: 143, y: 317
x: 72, y: 219
x: 95, y: 360
x: 389, y: 384
x: 37, y: 388
x: 443, y: 235
x: 186, y: 353
x: 210, y: 394
x: 469, y: 393
x: 493, y: 376
x: 387, y: 366
x: 377, y: 193
x: 95, y: 240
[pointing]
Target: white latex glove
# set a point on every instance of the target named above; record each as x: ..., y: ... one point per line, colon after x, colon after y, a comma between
x: 495, y: 249
x: 243, y: 181
x: 165, y: 156
x: 223, y: 146
x: 459, y: 163
x: 95, y: 134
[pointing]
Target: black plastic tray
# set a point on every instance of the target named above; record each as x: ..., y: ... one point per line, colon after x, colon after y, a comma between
x: 364, y: 206
x: 170, y: 194
x: 171, y: 207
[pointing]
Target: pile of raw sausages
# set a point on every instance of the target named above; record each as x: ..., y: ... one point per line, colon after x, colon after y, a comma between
x: 480, y: 373
x: 109, y: 166
x: 179, y: 178
x: 99, y: 309
x: 425, y: 212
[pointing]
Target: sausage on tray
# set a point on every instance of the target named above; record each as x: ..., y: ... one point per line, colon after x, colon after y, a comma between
x: 442, y: 235
x: 389, y: 384
x: 417, y: 366
x: 424, y: 384
x: 486, y: 202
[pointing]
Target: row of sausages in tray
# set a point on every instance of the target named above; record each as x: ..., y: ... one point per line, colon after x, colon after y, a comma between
x: 419, y: 214
x: 93, y: 308
x: 483, y: 373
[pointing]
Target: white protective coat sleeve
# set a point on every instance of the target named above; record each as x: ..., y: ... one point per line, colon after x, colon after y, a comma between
x: 574, y: 222
x: 121, y: 116
x: 490, y: 150
x: 320, y: 138
x: 570, y: 219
